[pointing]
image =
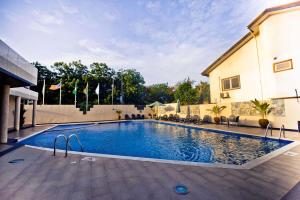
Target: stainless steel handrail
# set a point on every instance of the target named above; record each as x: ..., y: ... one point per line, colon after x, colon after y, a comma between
x: 54, y: 148
x: 77, y: 138
x: 269, y: 127
x: 282, y: 130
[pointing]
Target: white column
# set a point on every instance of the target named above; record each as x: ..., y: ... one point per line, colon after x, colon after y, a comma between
x: 4, y: 110
x: 17, y: 113
x: 34, y: 112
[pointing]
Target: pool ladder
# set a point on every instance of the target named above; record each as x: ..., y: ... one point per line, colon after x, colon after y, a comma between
x: 67, y: 140
x: 282, y: 131
x: 270, y: 128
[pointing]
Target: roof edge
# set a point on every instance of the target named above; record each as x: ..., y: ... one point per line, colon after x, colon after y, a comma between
x: 259, y: 19
x: 228, y: 53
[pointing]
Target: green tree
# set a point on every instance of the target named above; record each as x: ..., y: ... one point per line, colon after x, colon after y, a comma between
x: 44, y: 74
x: 159, y: 92
x: 69, y: 74
x: 186, y: 93
x: 203, y: 92
x: 133, y: 85
x: 102, y: 74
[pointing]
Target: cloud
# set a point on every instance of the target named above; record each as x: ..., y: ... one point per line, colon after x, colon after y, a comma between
x: 166, y: 41
x: 48, y: 19
x: 153, y: 6
x: 11, y: 16
x: 99, y: 50
x: 39, y: 27
x: 67, y: 8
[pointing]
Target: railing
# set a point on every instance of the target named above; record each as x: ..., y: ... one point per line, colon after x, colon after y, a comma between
x: 269, y: 127
x: 54, y: 148
x: 70, y: 137
x: 67, y: 143
x: 282, y: 131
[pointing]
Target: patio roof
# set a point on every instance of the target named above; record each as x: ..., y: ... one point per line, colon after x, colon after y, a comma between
x: 14, y: 69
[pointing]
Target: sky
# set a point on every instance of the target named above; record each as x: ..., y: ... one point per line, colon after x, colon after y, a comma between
x: 166, y: 41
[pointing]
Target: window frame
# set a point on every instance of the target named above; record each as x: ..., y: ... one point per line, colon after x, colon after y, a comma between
x: 291, y: 66
x: 230, y: 82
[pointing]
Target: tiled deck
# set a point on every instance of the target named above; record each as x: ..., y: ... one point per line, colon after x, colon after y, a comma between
x: 43, y: 176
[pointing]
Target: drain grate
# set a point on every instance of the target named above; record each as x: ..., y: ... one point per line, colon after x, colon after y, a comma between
x: 16, y: 161
x: 181, y: 189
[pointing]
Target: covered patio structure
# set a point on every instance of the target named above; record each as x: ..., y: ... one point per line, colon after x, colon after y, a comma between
x: 15, y: 74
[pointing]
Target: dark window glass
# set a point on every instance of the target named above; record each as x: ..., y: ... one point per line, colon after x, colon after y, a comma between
x: 235, y: 82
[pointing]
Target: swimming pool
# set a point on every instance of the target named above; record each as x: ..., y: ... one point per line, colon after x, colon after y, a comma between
x: 158, y: 140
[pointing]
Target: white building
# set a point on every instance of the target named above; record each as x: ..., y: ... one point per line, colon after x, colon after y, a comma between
x: 15, y: 74
x: 264, y: 64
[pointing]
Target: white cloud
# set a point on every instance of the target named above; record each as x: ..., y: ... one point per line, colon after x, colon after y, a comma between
x: 39, y: 27
x: 153, y: 6
x: 48, y: 19
x: 166, y: 41
x: 67, y: 8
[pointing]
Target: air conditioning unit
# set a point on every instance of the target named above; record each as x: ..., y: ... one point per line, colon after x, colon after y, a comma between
x: 224, y: 95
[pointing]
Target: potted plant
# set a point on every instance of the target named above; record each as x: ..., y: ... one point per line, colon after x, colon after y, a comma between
x: 216, y: 110
x: 119, y: 112
x: 264, y: 109
x: 22, y: 115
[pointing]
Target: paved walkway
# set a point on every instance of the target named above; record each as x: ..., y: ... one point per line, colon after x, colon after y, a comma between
x: 43, y: 176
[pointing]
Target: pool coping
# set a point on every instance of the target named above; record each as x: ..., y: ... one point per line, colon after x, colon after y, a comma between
x: 249, y: 165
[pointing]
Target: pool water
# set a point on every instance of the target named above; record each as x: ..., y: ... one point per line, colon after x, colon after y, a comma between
x: 151, y: 139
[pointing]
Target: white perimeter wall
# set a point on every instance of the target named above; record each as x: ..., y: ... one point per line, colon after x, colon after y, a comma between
x: 290, y: 118
x: 68, y: 113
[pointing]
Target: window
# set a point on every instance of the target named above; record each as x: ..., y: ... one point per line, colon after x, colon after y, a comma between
x: 283, y: 65
x: 231, y: 83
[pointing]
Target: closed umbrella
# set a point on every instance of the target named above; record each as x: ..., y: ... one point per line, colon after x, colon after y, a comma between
x: 188, y: 112
x: 178, y: 107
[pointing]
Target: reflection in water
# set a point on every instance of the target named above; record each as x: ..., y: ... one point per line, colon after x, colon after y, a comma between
x: 163, y: 141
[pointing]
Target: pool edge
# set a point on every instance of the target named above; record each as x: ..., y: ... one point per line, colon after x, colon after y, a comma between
x: 249, y: 165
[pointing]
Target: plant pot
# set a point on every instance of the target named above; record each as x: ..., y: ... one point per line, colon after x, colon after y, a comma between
x: 217, y: 120
x: 263, y: 123
x: 119, y: 117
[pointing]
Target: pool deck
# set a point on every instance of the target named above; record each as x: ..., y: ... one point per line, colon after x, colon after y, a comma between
x: 43, y: 176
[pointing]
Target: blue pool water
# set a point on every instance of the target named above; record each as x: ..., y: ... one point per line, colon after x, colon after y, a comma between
x: 151, y: 139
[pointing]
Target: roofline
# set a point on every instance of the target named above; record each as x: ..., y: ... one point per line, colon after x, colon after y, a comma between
x: 260, y: 18
x: 252, y: 27
x: 228, y: 53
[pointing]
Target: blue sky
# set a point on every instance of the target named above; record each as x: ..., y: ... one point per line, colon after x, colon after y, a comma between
x: 167, y: 40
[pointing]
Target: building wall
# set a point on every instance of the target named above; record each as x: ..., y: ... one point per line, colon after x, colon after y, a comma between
x: 68, y: 113
x: 278, y: 40
x: 244, y: 63
x: 279, y: 37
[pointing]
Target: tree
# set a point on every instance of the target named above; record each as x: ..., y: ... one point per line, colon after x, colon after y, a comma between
x: 44, y: 74
x: 159, y: 92
x: 102, y: 74
x: 133, y: 84
x: 68, y: 74
x: 203, y: 92
x: 186, y: 93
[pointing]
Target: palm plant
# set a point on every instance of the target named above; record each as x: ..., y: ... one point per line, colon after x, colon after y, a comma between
x: 264, y: 109
x: 216, y: 110
x: 119, y: 112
